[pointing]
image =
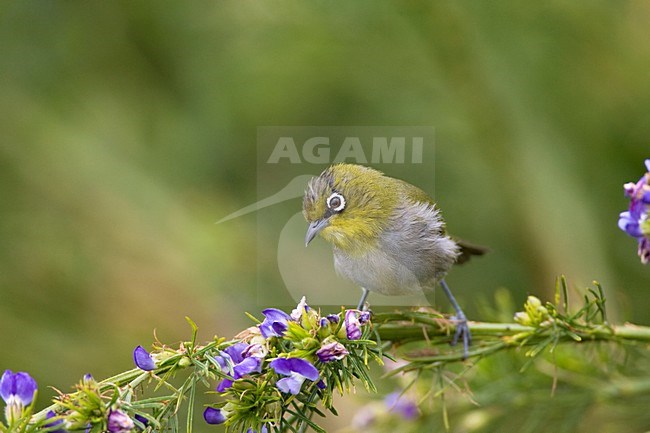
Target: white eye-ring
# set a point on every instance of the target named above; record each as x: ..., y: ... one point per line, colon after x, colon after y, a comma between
x: 336, y: 202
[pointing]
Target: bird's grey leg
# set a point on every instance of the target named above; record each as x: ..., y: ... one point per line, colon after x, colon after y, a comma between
x: 364, y: 296
x: 462, y: 329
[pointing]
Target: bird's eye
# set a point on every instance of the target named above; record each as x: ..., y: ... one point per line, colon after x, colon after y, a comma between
x: 336, y: 202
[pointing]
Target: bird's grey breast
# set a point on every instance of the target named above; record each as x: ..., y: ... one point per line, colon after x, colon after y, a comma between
x: 411, y: 254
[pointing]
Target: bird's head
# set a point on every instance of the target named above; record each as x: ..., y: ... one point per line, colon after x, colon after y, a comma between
x: 349, y: 205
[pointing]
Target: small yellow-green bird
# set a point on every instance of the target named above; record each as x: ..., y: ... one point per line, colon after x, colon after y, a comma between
x: 387, y: 235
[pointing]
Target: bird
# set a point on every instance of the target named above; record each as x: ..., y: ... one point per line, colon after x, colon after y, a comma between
x: 387, y: 235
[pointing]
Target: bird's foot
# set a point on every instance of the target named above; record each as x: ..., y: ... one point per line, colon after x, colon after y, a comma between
x: 462, y: 331
x: 363, y: 305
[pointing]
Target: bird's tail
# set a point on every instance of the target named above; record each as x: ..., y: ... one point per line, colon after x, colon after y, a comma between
x: 467, y: 250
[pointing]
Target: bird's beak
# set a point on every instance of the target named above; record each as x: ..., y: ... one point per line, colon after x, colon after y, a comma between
x: 315, y: 228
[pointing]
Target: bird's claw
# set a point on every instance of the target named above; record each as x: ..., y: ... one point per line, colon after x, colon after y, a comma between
x: 462, y: 330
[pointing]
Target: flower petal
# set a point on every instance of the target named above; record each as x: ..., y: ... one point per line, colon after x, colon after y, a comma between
x: 286, y: 366
x: 50, y: 414
x: 17, y: 387
x: 304, y: 368
x: 255, y: 351
x: 279, y: 328
x: 143, y: 359
x: 224, y: 385
x: 235, y: 351
x: 645, y: 198
x: 334, y: 318
x: 7, y: 385
x: 301, y: 308
x: 213, y: 416
x: 25, y: 387
x: 291, y: 384
x: 281, y: 366
x: 333, y: 351
x: 247, y: 366
x: 119, y: 422
x: 275, y: 323
x: 352, y: 325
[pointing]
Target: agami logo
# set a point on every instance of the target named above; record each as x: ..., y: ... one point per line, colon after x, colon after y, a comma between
x: 319, y: 150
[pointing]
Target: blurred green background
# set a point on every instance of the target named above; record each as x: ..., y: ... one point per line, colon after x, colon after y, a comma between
x: 128, y: 128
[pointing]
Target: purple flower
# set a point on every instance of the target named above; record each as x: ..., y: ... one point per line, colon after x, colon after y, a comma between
x: 119, y: 422
x: 54, y: 423
x: 352, y: 324
x: 629, y: 223
x: 237, y: 361
x: 214, y: 416
x: 403, y: 406
x: 143, y: 420
x: 333, y: 318
x: 297, y: 370
x: 636, y: 220
x: 17, y: 390
x: 275, y: 323
x: 262, y: 430
x: 333, y: 351
x: 143, y: 359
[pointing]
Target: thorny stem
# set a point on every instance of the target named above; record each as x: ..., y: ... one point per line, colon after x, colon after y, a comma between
x: 404, y: 327
x: 131, y: 377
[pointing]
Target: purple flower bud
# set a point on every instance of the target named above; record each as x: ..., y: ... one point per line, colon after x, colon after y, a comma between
x: 143, y: 420
x: 333, y: 351
x: 17, y: 389
x: 54, y: 423
x: 214, y: 416
x: 263, y: 430
x: 119, y: 422
x: 275, y: 323
x: 334, y: 318
x: 298, y: 371
x: 143, y: 359
x: 352, y: 325
x: 364, y: 317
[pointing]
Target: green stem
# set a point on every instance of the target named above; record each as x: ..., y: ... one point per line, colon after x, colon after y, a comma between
x: 410, y: 326
x: 133, y: 377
